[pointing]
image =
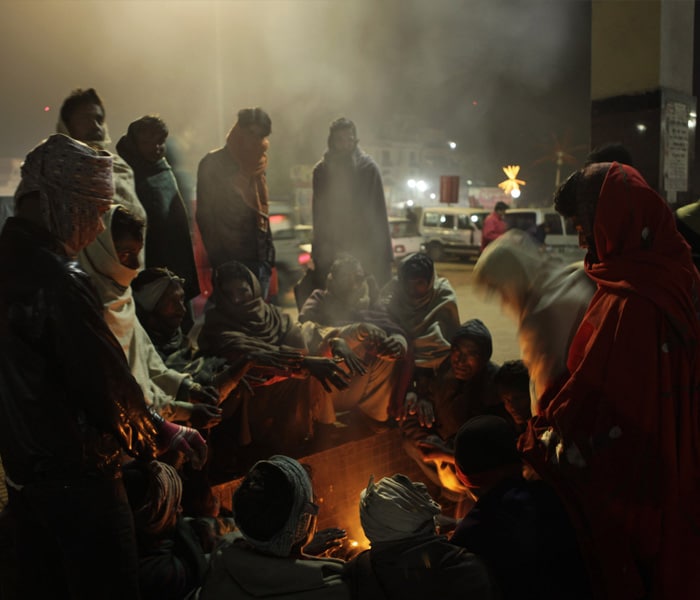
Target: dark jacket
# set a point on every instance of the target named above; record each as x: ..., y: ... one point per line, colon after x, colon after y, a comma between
x: 168, y: 240
x: 417, y: 568
x: 520, y: 529
x: 229, y: 226
x: 455, y: 402
x: 68, y: 402
x: 349, y: 215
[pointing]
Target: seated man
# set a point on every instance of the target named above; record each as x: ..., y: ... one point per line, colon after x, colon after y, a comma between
x: 518, y: 527
x: 407, y: 558
x: 349, y: 298
x: 276, y: 517
x: 512, y: 382
x: 112, y: 263
x: 240, y: 321
x: 462, y: 388
x: 171, y: 559
x: 425, y: 307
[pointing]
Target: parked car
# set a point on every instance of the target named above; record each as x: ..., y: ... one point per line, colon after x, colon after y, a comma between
x: 549, y: 228
x: 292, y: 249
x: 452, y: 230
x: 405, y: 238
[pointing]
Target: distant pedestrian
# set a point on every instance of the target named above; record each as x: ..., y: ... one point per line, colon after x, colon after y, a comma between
x: 349, y: 209
x: 494, y: 225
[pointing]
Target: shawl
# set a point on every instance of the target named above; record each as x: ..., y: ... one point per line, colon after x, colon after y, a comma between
x: 112, y: 281
x: 396, y: 508
x: 621, y: 439
x: 232, y: 328
x: 547, y: 300
x: 430, y: 322
x: 250, y: 153
x: 73, y: 181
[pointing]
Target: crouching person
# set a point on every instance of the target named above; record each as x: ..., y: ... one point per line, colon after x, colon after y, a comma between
x: 276, y: 516
x: 407, y: 558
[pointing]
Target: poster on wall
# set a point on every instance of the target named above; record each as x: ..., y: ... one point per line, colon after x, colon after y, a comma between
x: 675, y: 148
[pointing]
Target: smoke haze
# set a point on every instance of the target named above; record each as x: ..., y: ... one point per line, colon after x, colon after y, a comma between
x: 498, y: 76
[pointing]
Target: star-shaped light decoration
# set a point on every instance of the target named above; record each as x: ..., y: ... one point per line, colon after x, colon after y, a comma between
x: 511, y: 185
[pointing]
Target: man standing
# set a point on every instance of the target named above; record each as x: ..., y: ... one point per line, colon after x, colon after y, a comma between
x: 168, y: 243
x: 82, y: 117
x: 232, y: 198
x: 68, y: 404
x: 494, y: 225
x: 621, y: 438
x: 349, y: 210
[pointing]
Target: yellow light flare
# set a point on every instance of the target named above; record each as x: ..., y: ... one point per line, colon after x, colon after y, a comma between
x: 512, y: 183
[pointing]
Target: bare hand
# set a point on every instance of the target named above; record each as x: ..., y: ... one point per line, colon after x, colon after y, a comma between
x: 282, y: 360
x: 391, y: 348
x: 205, y: 416
x: 324, y: 540
x: 203, y: 395
x: 328, y: 373
x: 341, y: 350
x: 420, y: 407
x: 435, y: 452
x: 370, y: 334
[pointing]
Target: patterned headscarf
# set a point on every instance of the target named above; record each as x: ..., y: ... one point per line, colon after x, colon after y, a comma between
x: 396, y: 508
x: 74, y: 182
x: 257, y: 494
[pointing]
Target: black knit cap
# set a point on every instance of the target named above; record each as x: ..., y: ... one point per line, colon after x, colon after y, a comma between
x: 477, y: 332
x: 485, y: 443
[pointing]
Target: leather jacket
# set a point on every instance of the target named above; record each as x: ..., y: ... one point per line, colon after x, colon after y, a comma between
x: 68, y: 403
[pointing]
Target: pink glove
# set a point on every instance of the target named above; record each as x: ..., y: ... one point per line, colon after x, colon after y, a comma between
x: 183, y: 439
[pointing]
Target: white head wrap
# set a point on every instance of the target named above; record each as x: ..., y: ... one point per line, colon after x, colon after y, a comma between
x: 301, y: 516
x: 396, y: 508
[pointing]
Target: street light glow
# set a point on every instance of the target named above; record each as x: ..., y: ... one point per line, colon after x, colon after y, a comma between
x: 411, y: 183
x: 515, y: 193
x: 421, y: 185
x: 433, y: 196
x: 452, y: 145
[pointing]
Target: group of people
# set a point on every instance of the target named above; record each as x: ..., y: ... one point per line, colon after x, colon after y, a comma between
x: 580, y: 463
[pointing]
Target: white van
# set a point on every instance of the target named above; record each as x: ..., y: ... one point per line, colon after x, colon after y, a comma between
x: 548, y: 227
x: 452, y: 230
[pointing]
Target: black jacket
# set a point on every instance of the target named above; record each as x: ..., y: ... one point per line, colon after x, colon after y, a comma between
x: 68, y: 402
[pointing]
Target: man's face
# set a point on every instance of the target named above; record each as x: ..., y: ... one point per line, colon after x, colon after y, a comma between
x: 416, y: 288
x: 466, y: 359
x: 128, y: 249
x: 344, y: 141
x: 150, y: 144
x: 350, y: 285
x: 255, y: 141
x: 170, y: 309
x: 238, y: 291
x: 87, y: 123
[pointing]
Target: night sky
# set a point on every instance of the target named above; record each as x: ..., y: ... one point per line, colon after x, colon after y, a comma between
x: 503, y: 78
